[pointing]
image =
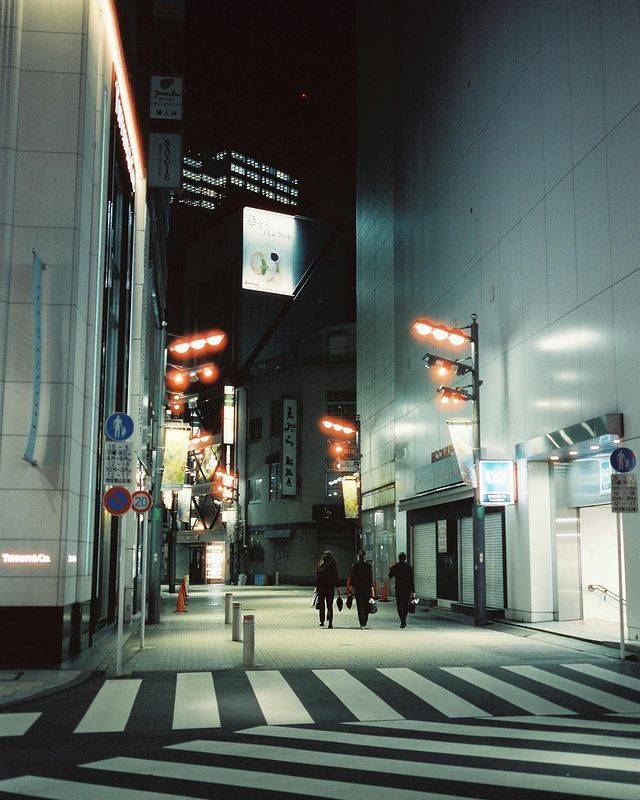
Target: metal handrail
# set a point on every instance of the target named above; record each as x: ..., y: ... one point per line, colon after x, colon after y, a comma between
x: 597, y: 587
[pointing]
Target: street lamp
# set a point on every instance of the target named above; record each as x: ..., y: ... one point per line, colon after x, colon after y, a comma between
x: 457, y: 337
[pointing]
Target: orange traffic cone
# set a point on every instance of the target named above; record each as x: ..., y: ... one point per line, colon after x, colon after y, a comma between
x: 180, y: 604
x: 384, y: 597
x: 185, y: 587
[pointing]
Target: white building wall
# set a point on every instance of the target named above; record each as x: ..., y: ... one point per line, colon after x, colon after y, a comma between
x: 56, y: 64
x: 375, y: 286
x: 516, y: 174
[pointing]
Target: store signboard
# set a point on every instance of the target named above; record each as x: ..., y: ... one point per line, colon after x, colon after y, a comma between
x: 165, y: 99
x: 165, y: 161
x: 496, y: 483
x: 289, y: 447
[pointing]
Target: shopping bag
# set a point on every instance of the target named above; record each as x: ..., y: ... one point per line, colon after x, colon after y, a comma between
x: 349, y: 600
x: 314, y: 600
x: 339, y: 603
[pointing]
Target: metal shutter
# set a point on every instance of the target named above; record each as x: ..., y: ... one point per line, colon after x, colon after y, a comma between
x: 424, y: 560
x: 493, y: 556
x: 466, y: 561
x: 493, y: 561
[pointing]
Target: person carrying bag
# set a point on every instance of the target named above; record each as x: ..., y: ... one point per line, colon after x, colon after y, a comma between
x: 405, y: 588
x: 326, y: 582
x: 362, y: 582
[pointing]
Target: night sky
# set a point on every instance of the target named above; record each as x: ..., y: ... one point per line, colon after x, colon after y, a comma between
x: 276, y: 76
x: 276, y: 80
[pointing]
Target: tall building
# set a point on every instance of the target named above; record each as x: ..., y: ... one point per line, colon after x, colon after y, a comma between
x: 501, y: 182
x: 228, y: 177
x: 82, y: 299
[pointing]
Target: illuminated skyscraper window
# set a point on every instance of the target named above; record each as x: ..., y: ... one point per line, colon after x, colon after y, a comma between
x: 223, y: 170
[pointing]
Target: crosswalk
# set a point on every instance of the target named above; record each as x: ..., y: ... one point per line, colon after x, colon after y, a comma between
x: 534, y: 757
x: 240, y: 699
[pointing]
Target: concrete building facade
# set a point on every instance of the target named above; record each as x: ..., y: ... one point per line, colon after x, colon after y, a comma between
x: 502, y: 182
x: 81, y: 310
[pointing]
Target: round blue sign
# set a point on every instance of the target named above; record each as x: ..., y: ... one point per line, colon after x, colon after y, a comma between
x: 623, y: 459
x: 119, y: 427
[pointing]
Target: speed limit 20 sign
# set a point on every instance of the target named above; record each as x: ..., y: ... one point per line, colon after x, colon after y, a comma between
x: 141, y: 501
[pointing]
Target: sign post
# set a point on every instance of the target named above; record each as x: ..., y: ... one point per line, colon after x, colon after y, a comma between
x: 117, y: 500
x: 624, y: 500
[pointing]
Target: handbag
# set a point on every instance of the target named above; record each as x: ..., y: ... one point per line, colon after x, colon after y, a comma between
x: 314, y: 600
x: 412, y: 605
x: 373, y: 606
x: 349, y: 600
x: 339, y: 603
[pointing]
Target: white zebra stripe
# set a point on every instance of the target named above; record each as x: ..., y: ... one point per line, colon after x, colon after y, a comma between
x: 496, y: 732
x: 444, y: 701
x: 417, y: 769
x: 111, y: 707
x: 56, y: 789
x: 17, y: 724
x: 358, y: 698
x: 277, y: 700
x: 413, y: 745
x: 264, y: 781
x: 527, y: 701
x: 195, y: 704
x: 606, y: 675
x: 610, y: 701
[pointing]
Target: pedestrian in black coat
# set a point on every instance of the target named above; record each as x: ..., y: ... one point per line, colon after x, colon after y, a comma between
x: 362, y: 586
x: 405, y: 588
x: 326, y: 581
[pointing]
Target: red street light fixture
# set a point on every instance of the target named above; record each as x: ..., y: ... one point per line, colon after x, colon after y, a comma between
x: 445, y: 366
x: 213, y: 340
x: 334, y: 426
x: 455, y: 336
x: 450, y: 395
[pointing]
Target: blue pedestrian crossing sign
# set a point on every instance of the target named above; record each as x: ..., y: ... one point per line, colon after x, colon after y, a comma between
x: 623, y: 459
x: 119, y: 427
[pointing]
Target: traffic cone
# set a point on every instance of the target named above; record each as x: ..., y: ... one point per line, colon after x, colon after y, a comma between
x: 185, y: 587
x: 180, y: 604
x: 384, y: 597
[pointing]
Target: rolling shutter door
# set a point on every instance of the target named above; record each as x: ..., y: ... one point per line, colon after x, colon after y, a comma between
x: 493, y: 560
x: 494, y: 565
x: 466, y: 561
x: 424, y: 560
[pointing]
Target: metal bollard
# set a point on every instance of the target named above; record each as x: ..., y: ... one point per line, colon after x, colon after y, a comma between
x: 248, y: 646
x: 277, y: 579
x: 228, y: 598
x: 235, y: 624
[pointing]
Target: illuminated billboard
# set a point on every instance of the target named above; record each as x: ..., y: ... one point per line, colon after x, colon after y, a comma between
x: 268, y: 241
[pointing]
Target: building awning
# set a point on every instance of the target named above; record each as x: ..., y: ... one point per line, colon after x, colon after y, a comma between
x: 278, y: 533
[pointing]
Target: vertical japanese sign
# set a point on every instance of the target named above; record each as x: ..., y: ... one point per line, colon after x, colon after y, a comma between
x: 289, y: 448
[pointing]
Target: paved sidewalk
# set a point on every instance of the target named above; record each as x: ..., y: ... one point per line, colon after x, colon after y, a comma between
x: 287, y: 636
